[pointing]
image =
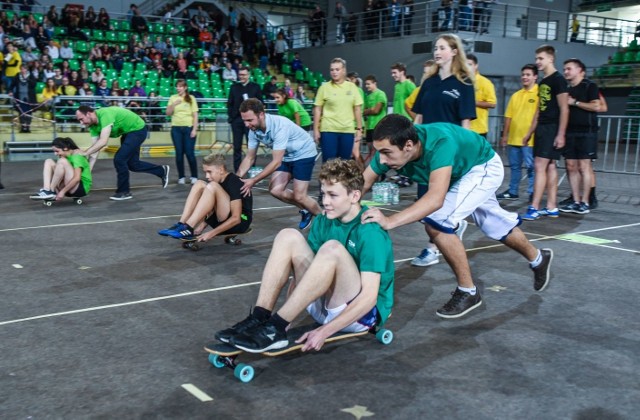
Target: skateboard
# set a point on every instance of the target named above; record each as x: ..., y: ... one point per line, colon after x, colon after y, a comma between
x: 231, y: 239
x: 221, y: 354
x: 49, y: 201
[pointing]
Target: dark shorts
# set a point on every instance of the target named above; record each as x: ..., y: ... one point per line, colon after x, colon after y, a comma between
x: 581, y: 146
x: 242, y: 227
x: 79, y: 192
x: 543, y: 145
x: 369, y: 136
x: 301, y: 169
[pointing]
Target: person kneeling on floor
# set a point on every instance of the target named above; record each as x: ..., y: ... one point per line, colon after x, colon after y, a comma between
x: 69, y: 176
x: 343, y: 274
x: 218, y: 203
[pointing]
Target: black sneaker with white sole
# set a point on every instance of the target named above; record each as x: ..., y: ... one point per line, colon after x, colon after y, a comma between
x: 261, y: 338
x: 460, y: 304
x: 165, y: 177
x: 121, y: 196
x: 542, y: 273
x: 227, y: 334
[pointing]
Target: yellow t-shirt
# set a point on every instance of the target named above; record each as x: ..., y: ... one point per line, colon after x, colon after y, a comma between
x: 485, y: 92
x: 411, y: 100
x: 183, y: 114
x: 337, y: 102
x: 521, y: 109
x: 12, y: 66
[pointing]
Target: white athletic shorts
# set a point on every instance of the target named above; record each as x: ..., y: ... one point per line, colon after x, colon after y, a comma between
x: 323, y: 315
x: 475, y: 194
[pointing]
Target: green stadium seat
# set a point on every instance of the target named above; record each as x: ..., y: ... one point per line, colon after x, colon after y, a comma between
x: 82, y: 47
x: 59, y: 32
x: 127, y: 66
x: 633, y: 46
x: 111, y: 37
x: 74, y: 64
x: 125, y: 25
x: 98, y: 35
x: 39, y: 87
x: 102, y: 64
x: 618, y: 57
x: 123, y: 37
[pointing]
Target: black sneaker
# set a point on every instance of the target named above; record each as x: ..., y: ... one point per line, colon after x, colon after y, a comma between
x: 261, y: 338
x: 459, y: 304
x: 593, y: 202
x: 542, y: 273
x: 570, y: 208
x: 583, y: 208
x: 566, y: 201
x: 249, y: 322
x: 121, y: 196
x: 506, y: 195
x: 165, y: 177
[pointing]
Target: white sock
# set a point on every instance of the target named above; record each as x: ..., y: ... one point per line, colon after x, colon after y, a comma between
x: 536, y: 262
x: 471, y: 291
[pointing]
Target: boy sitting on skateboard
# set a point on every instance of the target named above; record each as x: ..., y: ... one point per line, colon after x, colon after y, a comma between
x: 218, y: 203
x: 343, y: 274
x: 70, y: 176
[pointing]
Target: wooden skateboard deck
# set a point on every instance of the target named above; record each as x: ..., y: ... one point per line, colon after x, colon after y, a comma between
x: 231, y: 239
x: 49, y: 201
x: 222, y: 354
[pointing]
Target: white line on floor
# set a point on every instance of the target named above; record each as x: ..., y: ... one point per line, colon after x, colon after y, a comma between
x: 196, y: 392
x: 120, y: 220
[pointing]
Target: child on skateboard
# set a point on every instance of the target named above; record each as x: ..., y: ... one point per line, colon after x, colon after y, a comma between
x: 217, y: 203
x: 70, y: 176
x: 343, y: 274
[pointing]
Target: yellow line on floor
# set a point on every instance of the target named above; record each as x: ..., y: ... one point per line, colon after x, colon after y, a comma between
x: 197, y: 392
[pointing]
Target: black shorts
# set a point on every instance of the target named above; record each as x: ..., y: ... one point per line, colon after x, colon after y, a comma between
x: 79, y: 192
x: 581, y: 146
x: 543, y: 144
x: 242, y: 227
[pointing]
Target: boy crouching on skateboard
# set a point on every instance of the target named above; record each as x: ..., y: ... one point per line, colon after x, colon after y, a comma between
x: 70, y: 176
x: 218, y: 203
x: 343, y: 274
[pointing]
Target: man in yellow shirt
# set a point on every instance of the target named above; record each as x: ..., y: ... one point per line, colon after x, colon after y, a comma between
x: 485, y: 98
x: 12, y: 63
x: 518, y: 131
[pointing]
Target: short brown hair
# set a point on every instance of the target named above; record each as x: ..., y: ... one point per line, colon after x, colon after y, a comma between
x: 345, y: 172
x: 252, y: 104
x: 546, y: 49
x: 400, y: 67
x: 215, y: 159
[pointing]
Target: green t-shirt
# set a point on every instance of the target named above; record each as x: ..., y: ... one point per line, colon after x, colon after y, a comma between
x: 371, y: 249
x: 401, y: 92
x: 122, y: 121
x: 80, y: 161
x: 373, y: 98
x: 290, y: 108
x: 443, y: 145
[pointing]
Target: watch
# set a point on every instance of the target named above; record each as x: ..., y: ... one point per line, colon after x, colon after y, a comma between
x: 576, y: 103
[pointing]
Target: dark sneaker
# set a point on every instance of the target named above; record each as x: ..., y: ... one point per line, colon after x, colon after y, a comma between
x: 305, y: 222
x: 249, y: 322
x: 43, y: 195
x: 566, y: 201
x: 570, y: 208
x: 593, y: 203
x: 542, y: 273
x: 261, y: 338
x: 165, y: 177
x: 182, y: 231
x: 507, y: 196
x: 583, y: 208
x: 165, y: 232
x: 121, y: 196
x: 459, y: 304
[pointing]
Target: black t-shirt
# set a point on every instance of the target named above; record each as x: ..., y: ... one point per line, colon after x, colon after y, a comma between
x: 232, y: 184
x: 550, y: 87
x: 579, y: 119
x: 238, y: 93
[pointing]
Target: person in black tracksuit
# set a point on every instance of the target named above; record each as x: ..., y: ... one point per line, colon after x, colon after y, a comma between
x: 239, y: 92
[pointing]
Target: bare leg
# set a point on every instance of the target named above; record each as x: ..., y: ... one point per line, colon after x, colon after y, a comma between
x: 47, y: 174
x: 68, y: 176
x: 454, y: 253
x: 298, y: 196
x: 586, y: 172
x: 574, y: 178
x: 552, y: 185
x: 212, y: 198
x: 57, y: 181
x: 517, y: 241
x: 192, y: 200
x: 540, y: 180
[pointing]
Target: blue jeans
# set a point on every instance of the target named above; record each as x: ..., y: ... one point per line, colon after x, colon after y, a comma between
x: 185, y: 145
x: 128, y: 159
x: 336, y: 145
x: 518, y: 155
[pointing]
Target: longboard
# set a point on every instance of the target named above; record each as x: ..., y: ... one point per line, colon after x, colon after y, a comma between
x: 49, y: 201
x: 221, y: 354
x: 231, y: 239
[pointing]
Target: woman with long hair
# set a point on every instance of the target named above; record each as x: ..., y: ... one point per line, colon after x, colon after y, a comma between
x: 183, y: 110
x: 291, y: 108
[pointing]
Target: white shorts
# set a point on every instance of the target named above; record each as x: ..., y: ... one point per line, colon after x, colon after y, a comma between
x: 323, y: 315
x: 475, y: 194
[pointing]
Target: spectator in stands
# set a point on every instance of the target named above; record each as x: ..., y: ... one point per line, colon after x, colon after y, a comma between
x: 54, y: 51
x: 41, y: 38
x: 340, y: 14
x: 97, y: 75
x: 288, y: 89
x: 29, y: 35
x: 75, y: 80
x: 116, y: 58
x: 83, y: 72
x: 86, y: 86
x: 407, y: 16
x: 103, y: 89
x: 279, y: 48
x: 170, y: 49
x: 116, y: 89
x: 137, y: 89
x: 53, y: 16
x: 138, y: 22
x: 35, y: 69
x: 29, y: 55
x: 104, y: 21
x: 66, y: 51
x: 159, y: 45
x: 263, y: 53
x: 49, y: 94
x: 48, y: 72
x: 300, y: 94
x: 229, y: 73
x: 90, y: 18
x: 96, y: 52
x: 66, y: 106
x: 23, y: 90
x: 132, y: 12
x: 12, y: 63
x: 65, y: 70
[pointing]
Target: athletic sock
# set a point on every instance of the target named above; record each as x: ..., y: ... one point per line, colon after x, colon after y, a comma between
x: 592, y: 193
x: 536, y: 262
x: 261, y: 313
x: 280, y: 323
x: 470, y: 290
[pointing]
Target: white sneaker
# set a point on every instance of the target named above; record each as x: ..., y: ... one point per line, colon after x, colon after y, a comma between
x: 194, y: 179
x: 43, y: 195
x: 181, y: 181
x: 426, y: 258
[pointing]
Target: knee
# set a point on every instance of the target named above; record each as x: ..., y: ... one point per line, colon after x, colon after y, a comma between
x: 288, y: 235
x: 211, y: 186
x: 49, y: 163
x: 331, y: 248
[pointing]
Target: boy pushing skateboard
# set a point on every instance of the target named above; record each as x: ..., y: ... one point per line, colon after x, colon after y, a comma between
x: 343, y: 274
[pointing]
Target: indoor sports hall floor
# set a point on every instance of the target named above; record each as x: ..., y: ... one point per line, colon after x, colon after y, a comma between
x: 103, y: 318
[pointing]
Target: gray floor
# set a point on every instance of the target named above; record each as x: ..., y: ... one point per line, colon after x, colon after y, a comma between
x: 103, y: 318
